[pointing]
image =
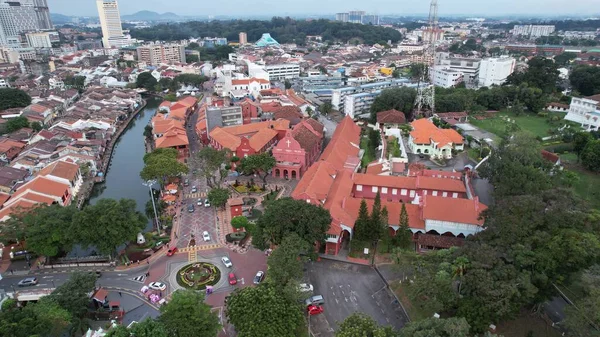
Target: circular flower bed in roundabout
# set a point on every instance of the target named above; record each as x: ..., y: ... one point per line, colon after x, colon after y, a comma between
x: 198, y: 275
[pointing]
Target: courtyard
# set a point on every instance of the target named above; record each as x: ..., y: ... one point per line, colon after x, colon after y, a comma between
x: 538, y: 126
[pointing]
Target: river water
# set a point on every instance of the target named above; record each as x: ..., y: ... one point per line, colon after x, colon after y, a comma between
x: 123, y: 176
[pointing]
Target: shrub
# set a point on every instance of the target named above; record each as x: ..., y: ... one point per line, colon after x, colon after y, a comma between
x: 241, y: 189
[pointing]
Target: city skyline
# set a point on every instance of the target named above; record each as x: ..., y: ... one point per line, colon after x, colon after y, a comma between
x: 406, y: 7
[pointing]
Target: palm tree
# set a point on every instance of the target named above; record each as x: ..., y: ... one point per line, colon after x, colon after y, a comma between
x: 459, y: 267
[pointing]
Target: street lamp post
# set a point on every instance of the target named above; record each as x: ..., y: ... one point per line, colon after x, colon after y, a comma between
x: 151, y: 183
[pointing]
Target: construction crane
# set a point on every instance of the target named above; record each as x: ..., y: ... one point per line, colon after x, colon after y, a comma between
x: 426, y: 93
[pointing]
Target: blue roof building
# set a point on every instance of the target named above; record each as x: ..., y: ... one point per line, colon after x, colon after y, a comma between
x: 267, y: 41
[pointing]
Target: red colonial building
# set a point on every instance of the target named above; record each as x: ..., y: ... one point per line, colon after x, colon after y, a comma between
x: 248, y: 139
x: 300, y: 147
x: 441, y: 212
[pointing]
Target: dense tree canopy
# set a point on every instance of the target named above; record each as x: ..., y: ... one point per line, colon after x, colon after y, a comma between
x: 45, y: 318
x: 284, y: 30
x: 186, y: 315
x: 218, y: 196
x: 541, y: 73
x: 284, y: 263
x: 16, y: 123
x: 359, y: 324
x: 260, y: 164
x: 161, y: 164
x: 13, y: 98
x: 212, y: 165
x: 401, y: 99
x: 436, y: 327
x: 263, y: 311
x: 73, y: 296
x: 286, y: 216
x: 146, y: 81
x: 586, y: 79
x: 108, y: 224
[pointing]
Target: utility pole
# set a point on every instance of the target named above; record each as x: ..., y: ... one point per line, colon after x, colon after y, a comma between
x: 426, y: 93
x: 151, y: 183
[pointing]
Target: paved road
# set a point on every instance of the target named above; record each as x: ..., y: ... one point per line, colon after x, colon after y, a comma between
x: 202, y: 218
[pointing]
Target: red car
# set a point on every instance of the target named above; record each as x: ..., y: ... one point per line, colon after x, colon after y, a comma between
x: 314, y: 309
x: 232, y: 279
x: 172, y: 251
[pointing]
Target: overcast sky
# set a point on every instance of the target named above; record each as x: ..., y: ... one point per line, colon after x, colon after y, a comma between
x: 297, y: 7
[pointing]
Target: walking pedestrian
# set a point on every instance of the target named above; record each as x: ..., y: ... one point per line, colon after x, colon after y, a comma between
x: 12, y: 272
x: 120, y: 294
x: 148, y: 261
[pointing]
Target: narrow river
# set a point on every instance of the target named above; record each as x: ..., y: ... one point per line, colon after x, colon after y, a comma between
x: 123, y: 176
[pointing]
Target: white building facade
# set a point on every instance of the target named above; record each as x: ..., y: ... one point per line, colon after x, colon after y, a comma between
x: 110, y: 21
x: 446, y: 77
x: 494, y: 71
x: 283, y: 71
x: 585, y: 111
x: 533, y: 30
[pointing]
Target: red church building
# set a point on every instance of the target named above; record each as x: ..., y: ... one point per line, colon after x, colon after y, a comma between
x: 300, y: 147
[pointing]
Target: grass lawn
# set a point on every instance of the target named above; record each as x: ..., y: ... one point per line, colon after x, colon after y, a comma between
x: 522, y: 325
x: 536, y: 125
x: 588, y: 186
x: 414, y: 311
x: 369, y: 155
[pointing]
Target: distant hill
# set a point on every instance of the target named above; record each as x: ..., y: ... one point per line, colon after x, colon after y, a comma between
x: 59, y: 18
x: 150, y: 16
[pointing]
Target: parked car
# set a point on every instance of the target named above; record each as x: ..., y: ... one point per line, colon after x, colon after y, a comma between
x: 205, y: 236
x: 315, y: 300
x: 305, y: 287
x: 172, y: 251
x: 186, y: 182
x: 206, y: 203
x: 200, y: 202
x: 232, y: 279
x: 227, y: 262
x: 314, y: 309
x: 157, y: 286
x: 194, y: 189
x: 259, y: 277
x: 30, y: 281
x: 191, y: 208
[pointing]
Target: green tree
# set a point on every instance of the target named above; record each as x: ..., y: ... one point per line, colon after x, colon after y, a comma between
x: 326, y: 108
x: 191, y: 79
x: 375, y: 220
x: 263, y: 311
x: 284, y: 263
x: 45, y: 318
x: 401, y: 99
x: 518, y: 168
x: 186, y: 315
x: 212, y: 165
x: 287, y: 84
x: 16, y: 123
x: 239, y: 221
x: 541, y: 73
x: 218, y: 196
x: 147, y: 81
x: 146, y: 328
x: 148, y: 132
x: 191, y: 58
x: 565, y: 58
x: 580, y: 141
x: 361, y: 325
x: 584, y: 320
x: 259, y: 164
x: 590, y: 157
x: 13, y: 98
x: 286, y: 216
x: 417, y: 70
x: 585, y: 79
x: 404, y: 234
x: 108, y: 224
x: 361, y: 225
x: 396, y: 73
x: 49, y: 229
x: 162, y: 164
x: 437, y: 327
x: 73, y: 296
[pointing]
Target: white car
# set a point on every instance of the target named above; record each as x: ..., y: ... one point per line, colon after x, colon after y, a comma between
x: 205, y: 236
x: 305, y: 287
x: 227, y: 262
x: 206, y: 203
x: 199, y: 202
x: 157, y: 286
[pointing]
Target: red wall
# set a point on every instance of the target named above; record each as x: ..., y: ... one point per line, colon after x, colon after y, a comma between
x: 367, y: 193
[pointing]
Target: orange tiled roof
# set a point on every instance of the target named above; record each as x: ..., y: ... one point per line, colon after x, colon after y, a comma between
x: 315, y: 182
x: 226, y: 139
x: 280, y: 124
x: 391, y: 116
x: 43, y: 185
x: 61, y: 169
x: 201, y: 125
x: 189, y: 101
x: 414, y: 183
x: 465, y: 211
x: 172, y: 138
x: 424, y: 131
x: 247, y: 81
x: 161, y: 127
x: 262, y: 138
x: 344, y: 144
x: 415, y: 220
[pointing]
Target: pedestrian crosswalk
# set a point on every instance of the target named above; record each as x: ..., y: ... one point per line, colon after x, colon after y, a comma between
x: 199, y: 248
x: 195, y: 195
x: 140, y: 278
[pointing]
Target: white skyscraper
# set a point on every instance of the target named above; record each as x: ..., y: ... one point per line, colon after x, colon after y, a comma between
x: 495, y: 70
x: 110, y: 20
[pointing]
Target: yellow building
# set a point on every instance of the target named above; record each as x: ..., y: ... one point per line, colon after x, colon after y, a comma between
x: 386, y: 71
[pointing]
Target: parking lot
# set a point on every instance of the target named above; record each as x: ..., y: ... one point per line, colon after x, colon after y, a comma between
x: 349, y: 288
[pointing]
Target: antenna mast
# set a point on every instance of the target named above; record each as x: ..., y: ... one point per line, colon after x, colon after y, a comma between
x: 426, y: 95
